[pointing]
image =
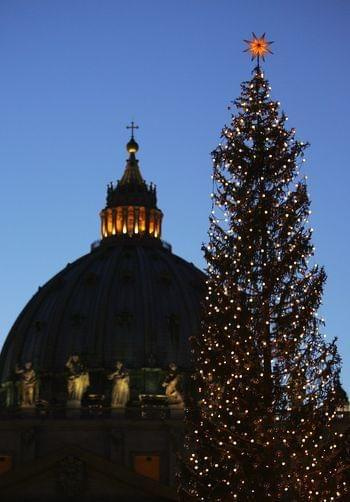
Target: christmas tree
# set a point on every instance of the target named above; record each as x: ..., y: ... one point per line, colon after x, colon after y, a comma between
x: 268, y: 382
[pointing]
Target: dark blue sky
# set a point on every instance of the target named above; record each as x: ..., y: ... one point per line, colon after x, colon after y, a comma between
x: 75, y: 72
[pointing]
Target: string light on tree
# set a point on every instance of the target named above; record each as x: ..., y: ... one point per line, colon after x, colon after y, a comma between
x: 267, y: 381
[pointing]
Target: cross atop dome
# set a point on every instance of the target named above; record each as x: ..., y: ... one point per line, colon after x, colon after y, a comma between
x: 132, y: 126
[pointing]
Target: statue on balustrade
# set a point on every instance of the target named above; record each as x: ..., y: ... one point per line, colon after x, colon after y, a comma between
x: 27, y: 385
x: 121, y: 386
x: 173, y: 385
x: 78, y: 378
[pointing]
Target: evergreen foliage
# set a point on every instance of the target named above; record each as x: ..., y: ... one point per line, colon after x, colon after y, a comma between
x: 268, y: 382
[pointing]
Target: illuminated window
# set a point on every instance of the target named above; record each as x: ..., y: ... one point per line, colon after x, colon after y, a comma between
x: 142, y: 219
x: 114, y: 223
x: 103, y: 226
x: 148, y: 466
x: 157, y: 225
x: 125, y: 217
x: 119, y: 220
x: 5, y: 463
x: 160, y: 224
x: 109, y: 222
x: 130, y: 224
x: 151, y: 222
x: 136, y: 230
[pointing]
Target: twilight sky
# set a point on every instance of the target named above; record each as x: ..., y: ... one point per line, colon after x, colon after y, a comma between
x: 75, y: 72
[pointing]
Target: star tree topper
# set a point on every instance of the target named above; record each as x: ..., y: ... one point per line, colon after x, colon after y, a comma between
x: 258, y: 47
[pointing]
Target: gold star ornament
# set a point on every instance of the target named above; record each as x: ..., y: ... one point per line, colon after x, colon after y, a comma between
x: 258, y: 47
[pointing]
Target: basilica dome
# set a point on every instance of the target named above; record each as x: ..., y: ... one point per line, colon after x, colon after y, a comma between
x: 130, y: 298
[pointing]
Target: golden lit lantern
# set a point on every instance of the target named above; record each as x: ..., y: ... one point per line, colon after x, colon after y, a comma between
x: 258, y: 47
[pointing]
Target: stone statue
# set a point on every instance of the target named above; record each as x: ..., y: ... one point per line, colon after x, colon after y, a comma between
x: 78, y: 378
x: 121, y: 386
x: 27, y: 384
x: 172, y: 384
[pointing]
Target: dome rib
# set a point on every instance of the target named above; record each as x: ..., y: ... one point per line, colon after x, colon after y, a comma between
x: 61, y: 336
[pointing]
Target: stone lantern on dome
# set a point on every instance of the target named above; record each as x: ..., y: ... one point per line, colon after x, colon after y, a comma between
x: 131, y: 206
